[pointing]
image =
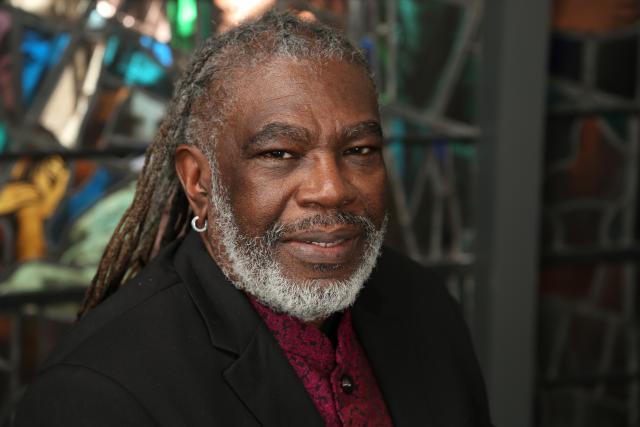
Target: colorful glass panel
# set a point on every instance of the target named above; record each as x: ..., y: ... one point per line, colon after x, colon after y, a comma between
x: 588, y: 348
x: 4, y: 137
x: 40, y: 53
x: 141, y: 46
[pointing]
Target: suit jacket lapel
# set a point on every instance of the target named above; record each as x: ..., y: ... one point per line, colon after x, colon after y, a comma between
x: 414, y: 340
x: 267, y: 384
x: 261, y: 376
x: 397, y: 367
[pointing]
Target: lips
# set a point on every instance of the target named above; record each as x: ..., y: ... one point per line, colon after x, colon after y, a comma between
x: 335, y: 246
x: 327, y: 244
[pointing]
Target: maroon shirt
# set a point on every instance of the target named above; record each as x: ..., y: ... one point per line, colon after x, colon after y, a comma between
x: 339, y: 381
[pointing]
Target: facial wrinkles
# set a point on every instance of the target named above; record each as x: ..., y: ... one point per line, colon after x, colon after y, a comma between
x: 252, y: 266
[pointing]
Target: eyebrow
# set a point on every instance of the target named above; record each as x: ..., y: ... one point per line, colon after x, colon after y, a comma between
x: 275, y: 130
x: 361, y: 130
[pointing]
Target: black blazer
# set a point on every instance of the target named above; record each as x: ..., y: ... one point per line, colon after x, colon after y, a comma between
x: 180, y: 346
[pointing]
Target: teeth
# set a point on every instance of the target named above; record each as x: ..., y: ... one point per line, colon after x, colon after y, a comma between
x: 327, y: 245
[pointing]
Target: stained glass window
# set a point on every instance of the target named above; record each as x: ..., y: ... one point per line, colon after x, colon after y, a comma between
x: 85, y: 84
x: 589, y: 348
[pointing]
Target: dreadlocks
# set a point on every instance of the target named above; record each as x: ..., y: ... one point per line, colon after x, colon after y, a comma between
x: 139, y: 233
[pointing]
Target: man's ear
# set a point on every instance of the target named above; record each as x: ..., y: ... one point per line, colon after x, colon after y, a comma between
x: 193, y: 170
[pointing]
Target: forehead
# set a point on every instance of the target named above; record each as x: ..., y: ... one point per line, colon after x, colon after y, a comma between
x: 315, y: 95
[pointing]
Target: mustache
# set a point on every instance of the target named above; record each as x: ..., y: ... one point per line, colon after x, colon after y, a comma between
x: 279, y: 230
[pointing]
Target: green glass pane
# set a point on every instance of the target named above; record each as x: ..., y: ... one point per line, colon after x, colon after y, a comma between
x: 421, y: 60
x: 187, y: 14
x: 461, y: 106
x: 205, y: 24
x: 4, y: 137
x: 183, y: 17
x: 468, y: 151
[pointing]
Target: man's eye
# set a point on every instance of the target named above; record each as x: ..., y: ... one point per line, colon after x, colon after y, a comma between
x: 361, y: 150
x: 278, y: 154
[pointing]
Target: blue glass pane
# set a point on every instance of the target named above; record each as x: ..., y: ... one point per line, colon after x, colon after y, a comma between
x: 80, y: 201
x: 40, y: 53
x: 161, y: 51
x: 92, y: 191
x: 111, y: 50
x: 136, y: 67
x: 368, y: 46
x: 141, y: 70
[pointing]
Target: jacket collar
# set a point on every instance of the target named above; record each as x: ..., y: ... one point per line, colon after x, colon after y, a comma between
x: 261, y: 375
x: 226, y: 312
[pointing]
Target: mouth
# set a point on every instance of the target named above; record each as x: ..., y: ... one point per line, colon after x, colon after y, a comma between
x: 326, y: 244
x: 336, y: 246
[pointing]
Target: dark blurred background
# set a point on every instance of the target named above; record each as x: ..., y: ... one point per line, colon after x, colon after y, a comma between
x: 512, y: 138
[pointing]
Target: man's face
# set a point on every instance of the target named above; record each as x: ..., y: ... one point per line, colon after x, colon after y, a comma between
x: 300, y: 164
x: 302, y: 140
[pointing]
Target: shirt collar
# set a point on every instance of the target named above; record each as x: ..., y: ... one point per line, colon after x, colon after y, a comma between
x: 305, y: 340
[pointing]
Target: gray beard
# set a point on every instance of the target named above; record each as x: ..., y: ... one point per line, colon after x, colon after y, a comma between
x: 253, y: 265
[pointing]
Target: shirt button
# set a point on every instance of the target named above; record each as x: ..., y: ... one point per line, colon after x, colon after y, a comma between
x: 346, y: 384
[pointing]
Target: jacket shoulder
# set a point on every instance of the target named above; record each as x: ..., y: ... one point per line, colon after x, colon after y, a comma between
x: 151, y: 288
x: 148, y: 343
x: 68, y: 395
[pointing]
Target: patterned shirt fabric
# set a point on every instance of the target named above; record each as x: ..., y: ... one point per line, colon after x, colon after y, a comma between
x: 339, y: 381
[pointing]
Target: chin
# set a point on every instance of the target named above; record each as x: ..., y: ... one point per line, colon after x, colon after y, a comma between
x: 305, y: 282
x: 318, y: 274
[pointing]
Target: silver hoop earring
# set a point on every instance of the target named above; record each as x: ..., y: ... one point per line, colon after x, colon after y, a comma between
x: 194, y: 224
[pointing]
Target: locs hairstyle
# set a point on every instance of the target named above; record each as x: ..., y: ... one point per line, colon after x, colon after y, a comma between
x: 205, y: 82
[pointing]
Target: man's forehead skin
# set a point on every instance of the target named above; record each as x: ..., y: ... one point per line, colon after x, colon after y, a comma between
x: 283, y: 96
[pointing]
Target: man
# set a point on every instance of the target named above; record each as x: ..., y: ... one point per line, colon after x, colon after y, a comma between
x: 271, y: 152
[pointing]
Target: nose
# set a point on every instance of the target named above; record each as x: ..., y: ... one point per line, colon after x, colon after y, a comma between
x: 325, y: 185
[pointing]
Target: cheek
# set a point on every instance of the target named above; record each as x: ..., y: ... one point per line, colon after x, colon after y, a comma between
x: 257, y: 203
x: 374, y: 193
